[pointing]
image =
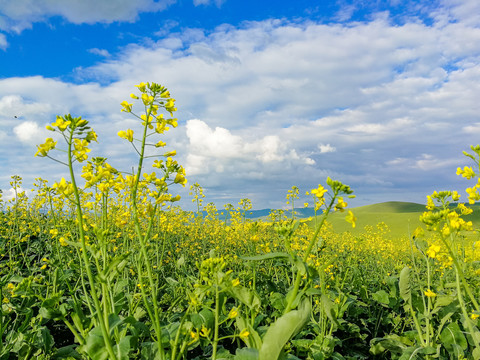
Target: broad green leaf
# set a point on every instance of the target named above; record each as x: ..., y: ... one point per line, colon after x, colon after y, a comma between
x: 204, y: 317
x: 283, y: 329
x: 122, y: 349
x: 453, y: 339
x: 381, y: 296
x: 246, y: 296
x: 95, y: 345
x: 246, y: 354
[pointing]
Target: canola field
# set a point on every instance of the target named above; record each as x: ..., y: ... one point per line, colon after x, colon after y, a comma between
x: 103, y: 265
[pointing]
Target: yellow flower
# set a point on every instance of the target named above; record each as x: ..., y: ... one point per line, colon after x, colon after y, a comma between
x: 126, y: 106
x: 351, y: 218
x: 194, y: 335
x: 474, y: 316
x: 341, y: 204
x: 244, y: 334
x: 233, y: 313
x: 235, y: 282
x: 170, y: 153
x: 429, y: 293
x: 61, y: 123
x: 141, y: 86
x: 43, y: 149
x: 467, y: 172
x: 433, y: 250
x: 204, y: 332
x: 126, y: 134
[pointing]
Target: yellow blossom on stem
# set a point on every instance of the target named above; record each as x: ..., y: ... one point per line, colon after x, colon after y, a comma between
x: 126, y: 134
x: 351, y: 218
x: 429, y: 293
x: 244, y: 334
x: 433, y: 250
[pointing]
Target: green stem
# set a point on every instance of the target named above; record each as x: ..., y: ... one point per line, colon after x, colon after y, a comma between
x: 298, y: 279
x: 93, y: 292
x: 141, y: 238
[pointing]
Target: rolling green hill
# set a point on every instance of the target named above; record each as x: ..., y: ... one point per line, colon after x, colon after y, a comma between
x: 402, y: 218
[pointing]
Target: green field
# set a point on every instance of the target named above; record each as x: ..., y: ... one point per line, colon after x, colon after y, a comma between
x: 402, y: 218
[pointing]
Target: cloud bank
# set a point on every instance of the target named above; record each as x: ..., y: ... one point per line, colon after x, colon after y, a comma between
x: 386, y: 108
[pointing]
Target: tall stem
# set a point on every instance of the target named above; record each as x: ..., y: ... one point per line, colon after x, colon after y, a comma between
x: 93, y: 292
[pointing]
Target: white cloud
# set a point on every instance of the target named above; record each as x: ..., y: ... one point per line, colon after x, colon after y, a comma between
x: 270, y: 92
x: 27, y: 131
x: 219, y: 150
x: 218, y: 3
x: 99, y: 52
x: 20, y: 14
x: 326, y: 148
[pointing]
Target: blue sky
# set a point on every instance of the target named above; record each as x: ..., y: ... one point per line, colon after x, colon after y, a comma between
x: 382, y: 95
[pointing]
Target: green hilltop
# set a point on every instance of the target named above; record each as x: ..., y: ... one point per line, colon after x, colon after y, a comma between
x: 402, y: 218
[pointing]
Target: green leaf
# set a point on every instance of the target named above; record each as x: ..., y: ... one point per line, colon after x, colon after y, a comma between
x: 253, y: 340
x: 204, y: 317
x: 246, y: 354
x: 95, y: 345
x: 246, y: 296
x: 283, y: 329
x: 329, y: 309
x: 381, y: 296
x: 122, y: 349
x: 453, y: 339
x: 150, y: 351
x: 404, y: 285
x: 274, y: 255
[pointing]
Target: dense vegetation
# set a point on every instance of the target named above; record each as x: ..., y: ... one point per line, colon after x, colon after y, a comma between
x: 113, y: 270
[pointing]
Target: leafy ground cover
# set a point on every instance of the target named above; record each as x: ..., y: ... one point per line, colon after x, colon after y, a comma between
x: 111, y: 269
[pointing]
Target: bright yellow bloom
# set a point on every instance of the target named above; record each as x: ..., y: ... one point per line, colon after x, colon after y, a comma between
x: 351, y: 218
x: 61, y: 124
x: 62, y: 241
x: 170, y: 153
x: 43, y: 149
x: 244, y: 334
x: 433, y: 250
x: 141, y: 86
x: 341, y: 204
x: 126, y: 106
x: 474, y: 316
x: 467, y: 172
x: 126, y: 134
x: 429, y: 293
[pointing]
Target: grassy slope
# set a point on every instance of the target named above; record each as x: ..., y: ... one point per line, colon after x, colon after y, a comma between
x: 402, y: 218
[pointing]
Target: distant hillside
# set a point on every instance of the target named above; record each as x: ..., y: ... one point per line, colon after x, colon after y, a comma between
x: 402, y: 218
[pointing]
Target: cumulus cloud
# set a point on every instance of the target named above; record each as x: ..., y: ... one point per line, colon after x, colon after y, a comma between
x: 20, y: 14
x: 219, y: 150
x: 326, y: 148
x: 384, y: 101
x: 27, y: 131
